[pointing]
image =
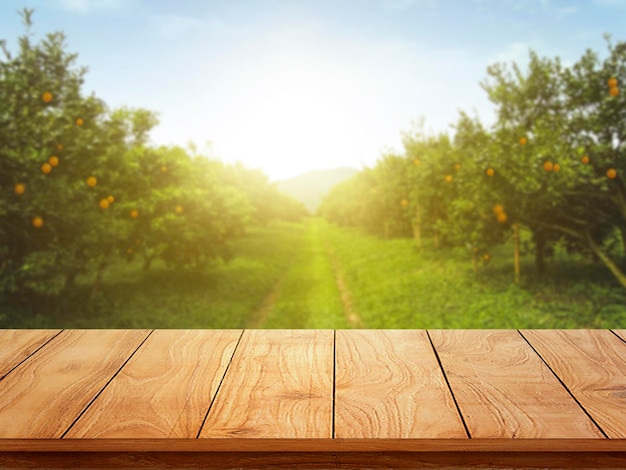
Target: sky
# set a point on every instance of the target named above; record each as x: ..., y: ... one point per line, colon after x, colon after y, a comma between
x: 289, y: 86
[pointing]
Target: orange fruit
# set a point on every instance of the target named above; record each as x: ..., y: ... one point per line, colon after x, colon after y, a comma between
x: 104, y: 203
x: 111, y: 199
x: 449, y: 178
x: 548, y: 166
x: 498, y: 209
x: 37, y: 222
x: 490, y: 172
x: 612, y: 82
x: 134, y: 213
x: 457, y: 167
x: 486, y: 256
x: 53, y: 160
x: 46, y: 168
x: 46, y: 97
x: 404, y: 203
x: 417, y: 162
x: 163, y: 168
x: 614, y: 91
x: 179, y: 209
x: 611, y: 173
x: 59, y: 146
x: 92, y: 181
x: 79, y: 122
x: 19, y: 188
x: 523, y: 141
x: 585, y: 159
x: 501, y: 217
x: 556, y: 167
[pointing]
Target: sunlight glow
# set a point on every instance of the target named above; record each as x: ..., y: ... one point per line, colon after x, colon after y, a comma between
x: 292, y: 116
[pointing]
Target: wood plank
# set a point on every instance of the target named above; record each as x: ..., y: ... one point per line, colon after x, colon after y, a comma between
x: 165, y: 389
x: 505, y: 390
x: 389, y: 385
x: 621, y: 334
x: 592, y: 365
x: 17, y: 345
x: 48, y: 391
x: 279, y: 385
x: 248, y: 444
x: 320, y: 460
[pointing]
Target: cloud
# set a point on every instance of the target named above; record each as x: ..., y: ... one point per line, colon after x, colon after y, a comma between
x: 401, y: 5
x: 171, y: 26
x: 88, y: 6
x: 610, y: 3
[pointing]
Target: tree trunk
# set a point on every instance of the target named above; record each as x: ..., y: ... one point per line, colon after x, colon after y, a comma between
x: 417, y: 227
x: 101, y: 267
x: 437, y: 240
x: 70, y: 280
x: 147, y: 262
x: 417, y: 233
x: 608, y: 262
x: 622, y: 230
x: 516, y: 254
x: 540, y: 251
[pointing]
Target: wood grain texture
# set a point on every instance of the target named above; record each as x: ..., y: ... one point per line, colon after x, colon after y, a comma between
x: 592, y: 365
x: 621, y: 334
x: 505, y: 390
x: 279, y: 384
x: 165, y: 389
x: 17, y: 345
x: 389, y: 385
x: 49, y: 391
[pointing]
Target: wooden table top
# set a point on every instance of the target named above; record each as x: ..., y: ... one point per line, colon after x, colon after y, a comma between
x: 313, y: 391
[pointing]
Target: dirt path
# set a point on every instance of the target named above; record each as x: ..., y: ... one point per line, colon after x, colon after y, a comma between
x: 352, y: 317
x: 258, y: 317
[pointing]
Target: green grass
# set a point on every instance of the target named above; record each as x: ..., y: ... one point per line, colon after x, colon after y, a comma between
x: 391, y: 283
x: 220, y: 296
x: 396, y: 286
x: 308, y: 295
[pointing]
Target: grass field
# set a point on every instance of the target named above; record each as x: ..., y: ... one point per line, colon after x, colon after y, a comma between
x: 314, y: 275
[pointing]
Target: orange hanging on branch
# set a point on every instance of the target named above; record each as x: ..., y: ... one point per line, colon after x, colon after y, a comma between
x: 611, y: 173
x: 92, y: 181
x: 548, y: 166
x: 46, y: 168
x: 53, y: 160
x: 20, y: 188
x: 614, y: 91
x: 37, y: 222
x: 585, y: 159
x: 612, y: 82
x: 46, y: 97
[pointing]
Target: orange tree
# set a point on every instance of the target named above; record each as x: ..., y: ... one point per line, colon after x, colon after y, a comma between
x: 355, y: 203
x: 575, y: 126
x: 432, y: 170
x: 48, y: 136
x: 477, y: 217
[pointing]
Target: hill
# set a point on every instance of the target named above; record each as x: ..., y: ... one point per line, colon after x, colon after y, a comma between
x: 311, y: 187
